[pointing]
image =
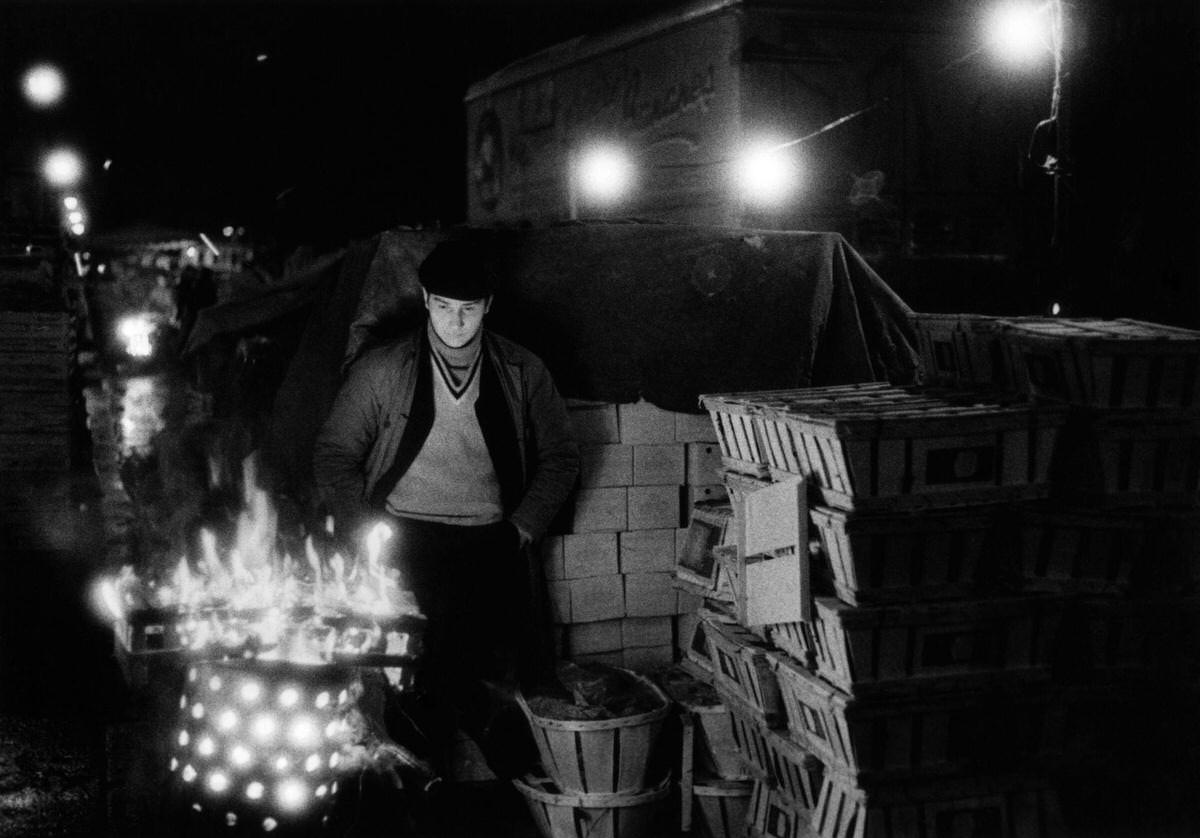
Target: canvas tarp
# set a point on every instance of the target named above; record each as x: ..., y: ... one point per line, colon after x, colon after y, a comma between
x: 621, y: 312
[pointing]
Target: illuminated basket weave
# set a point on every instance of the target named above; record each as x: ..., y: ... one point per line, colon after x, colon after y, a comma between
x: 259, y: 747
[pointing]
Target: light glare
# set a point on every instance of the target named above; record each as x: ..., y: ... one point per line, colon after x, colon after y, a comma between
x: 605, y: 174
x: 767, y: 174
x: 43, y: 85
x: 62, y: 167
x: 1018, y: 32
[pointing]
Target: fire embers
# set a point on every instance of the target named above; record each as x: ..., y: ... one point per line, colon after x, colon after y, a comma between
x: 260, y: 748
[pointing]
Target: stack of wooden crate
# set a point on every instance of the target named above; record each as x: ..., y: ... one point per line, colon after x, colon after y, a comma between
x: 37, y: 358
x: 913, y: 682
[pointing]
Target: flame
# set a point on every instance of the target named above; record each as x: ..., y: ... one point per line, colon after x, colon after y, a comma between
x: 249, y: 591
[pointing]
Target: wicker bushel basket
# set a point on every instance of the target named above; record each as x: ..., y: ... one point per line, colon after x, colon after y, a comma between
x: 561, y: 815
x: 603, y: 756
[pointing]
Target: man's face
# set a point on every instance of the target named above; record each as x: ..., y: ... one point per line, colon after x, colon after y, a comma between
x: 456, y: 322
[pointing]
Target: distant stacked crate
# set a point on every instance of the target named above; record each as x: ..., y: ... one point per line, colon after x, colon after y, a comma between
x: 885, y: 708
x: 610, y: 563
x: 37, y: 358
x: 1122, y: 533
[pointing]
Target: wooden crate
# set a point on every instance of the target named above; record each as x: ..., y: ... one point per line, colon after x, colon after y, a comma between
x: 936, y: 554
x: 733, y: 419
x: 896, y: 648
x: 1015, y: 805
x: 1135, y: 638
x: 772, y: 815
x: 1077, y: 550
x: 1007, y: 722
x: 770, y: 754
x: 967, y: 350
x: 708, y: 528
x: 724, y: 806
x: 742, y: 665
x: 1129, y: 458
x: 715, y: 751
x: 904, y: 448
x: 1108, y: 363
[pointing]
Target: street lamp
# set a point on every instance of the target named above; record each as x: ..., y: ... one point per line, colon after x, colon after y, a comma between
x: 1019, y: 32
x: 43, y: 85
x: 62, y: 167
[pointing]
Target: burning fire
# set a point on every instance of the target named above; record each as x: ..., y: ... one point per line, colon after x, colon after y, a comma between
x: 253, y: 600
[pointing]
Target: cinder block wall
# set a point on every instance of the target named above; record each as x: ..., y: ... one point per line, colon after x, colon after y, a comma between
x: 610, y: 567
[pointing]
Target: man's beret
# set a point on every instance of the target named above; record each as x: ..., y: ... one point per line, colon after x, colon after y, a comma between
x: 458, y: 271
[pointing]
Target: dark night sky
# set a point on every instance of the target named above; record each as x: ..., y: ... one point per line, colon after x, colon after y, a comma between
x: 357, y: 108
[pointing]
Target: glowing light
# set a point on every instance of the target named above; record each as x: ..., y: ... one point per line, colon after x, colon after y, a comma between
x: 1055, y: 309
x: 75, y: 217
x: 323, y: 699
x: 604, y: 174
x: 343, y: 697
x: 251, y: 691
x: 303, y: 732
x: 192, y: 674
x: 240, y: 756
x: 321, y: 790
x: 218, y: 781
x: 230, y: 819
x: 264, y: 727
x: 43, y: 85
x: 334, y: 759
x: 189, y: 773
x: 62, y: 167
x: 289, y: 697
x: 183, y: 702
x: 108, y: 164
x: 192, y: 252
x: 71, y: 203
x: 282, y: 764
x: 312, y: 763
x: 291, y: 794
x: 183, y: 738
x: 206, y: 747
x: 227, y: 232
x: 255, y: 790
x: 261, y: 57
x: 214, y: 683
x: 174, y: 764
x: 269, y: 824
x: 78, y: 229
x: 227, y: 721
x: 197, y: 710
x: 1018, y: 32
x: 766, y: 174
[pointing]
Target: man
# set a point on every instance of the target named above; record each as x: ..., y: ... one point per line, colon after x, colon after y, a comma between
x: 459, y: 438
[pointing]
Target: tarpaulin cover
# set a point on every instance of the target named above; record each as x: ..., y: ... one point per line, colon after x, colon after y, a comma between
x: 622, y: 312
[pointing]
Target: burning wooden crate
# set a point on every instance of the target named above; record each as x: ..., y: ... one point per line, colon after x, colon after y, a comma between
x: 967, y: 350
x: 935, y: 554
x: 899, y: 647
x: 1108, y: 363
x: 885, y: 449
x: 1020, y: 804
x: 1006, y: 722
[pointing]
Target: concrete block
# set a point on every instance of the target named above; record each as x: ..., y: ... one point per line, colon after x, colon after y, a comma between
x: 642, y: 422
x: 600, y: 510
x: 593, y: 422
x: 694, y: 427
x: 648, y: 595
x: 589, y: 638
x: 605, y: 465
x: 649, y: 657
x: 659, y: 465
x: 616, y: 658
x: 551, y: 552
x: 646, y: 631
x: 645, y: 551
x: 597, y: 598
x: 687, y: 602
x: 653, y: 507
x: 681, y: 540
x: 590, y: 554
x: 704, y: 465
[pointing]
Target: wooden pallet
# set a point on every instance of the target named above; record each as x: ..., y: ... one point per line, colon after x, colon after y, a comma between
x: 895, y: 649
x: 1108, y: 363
